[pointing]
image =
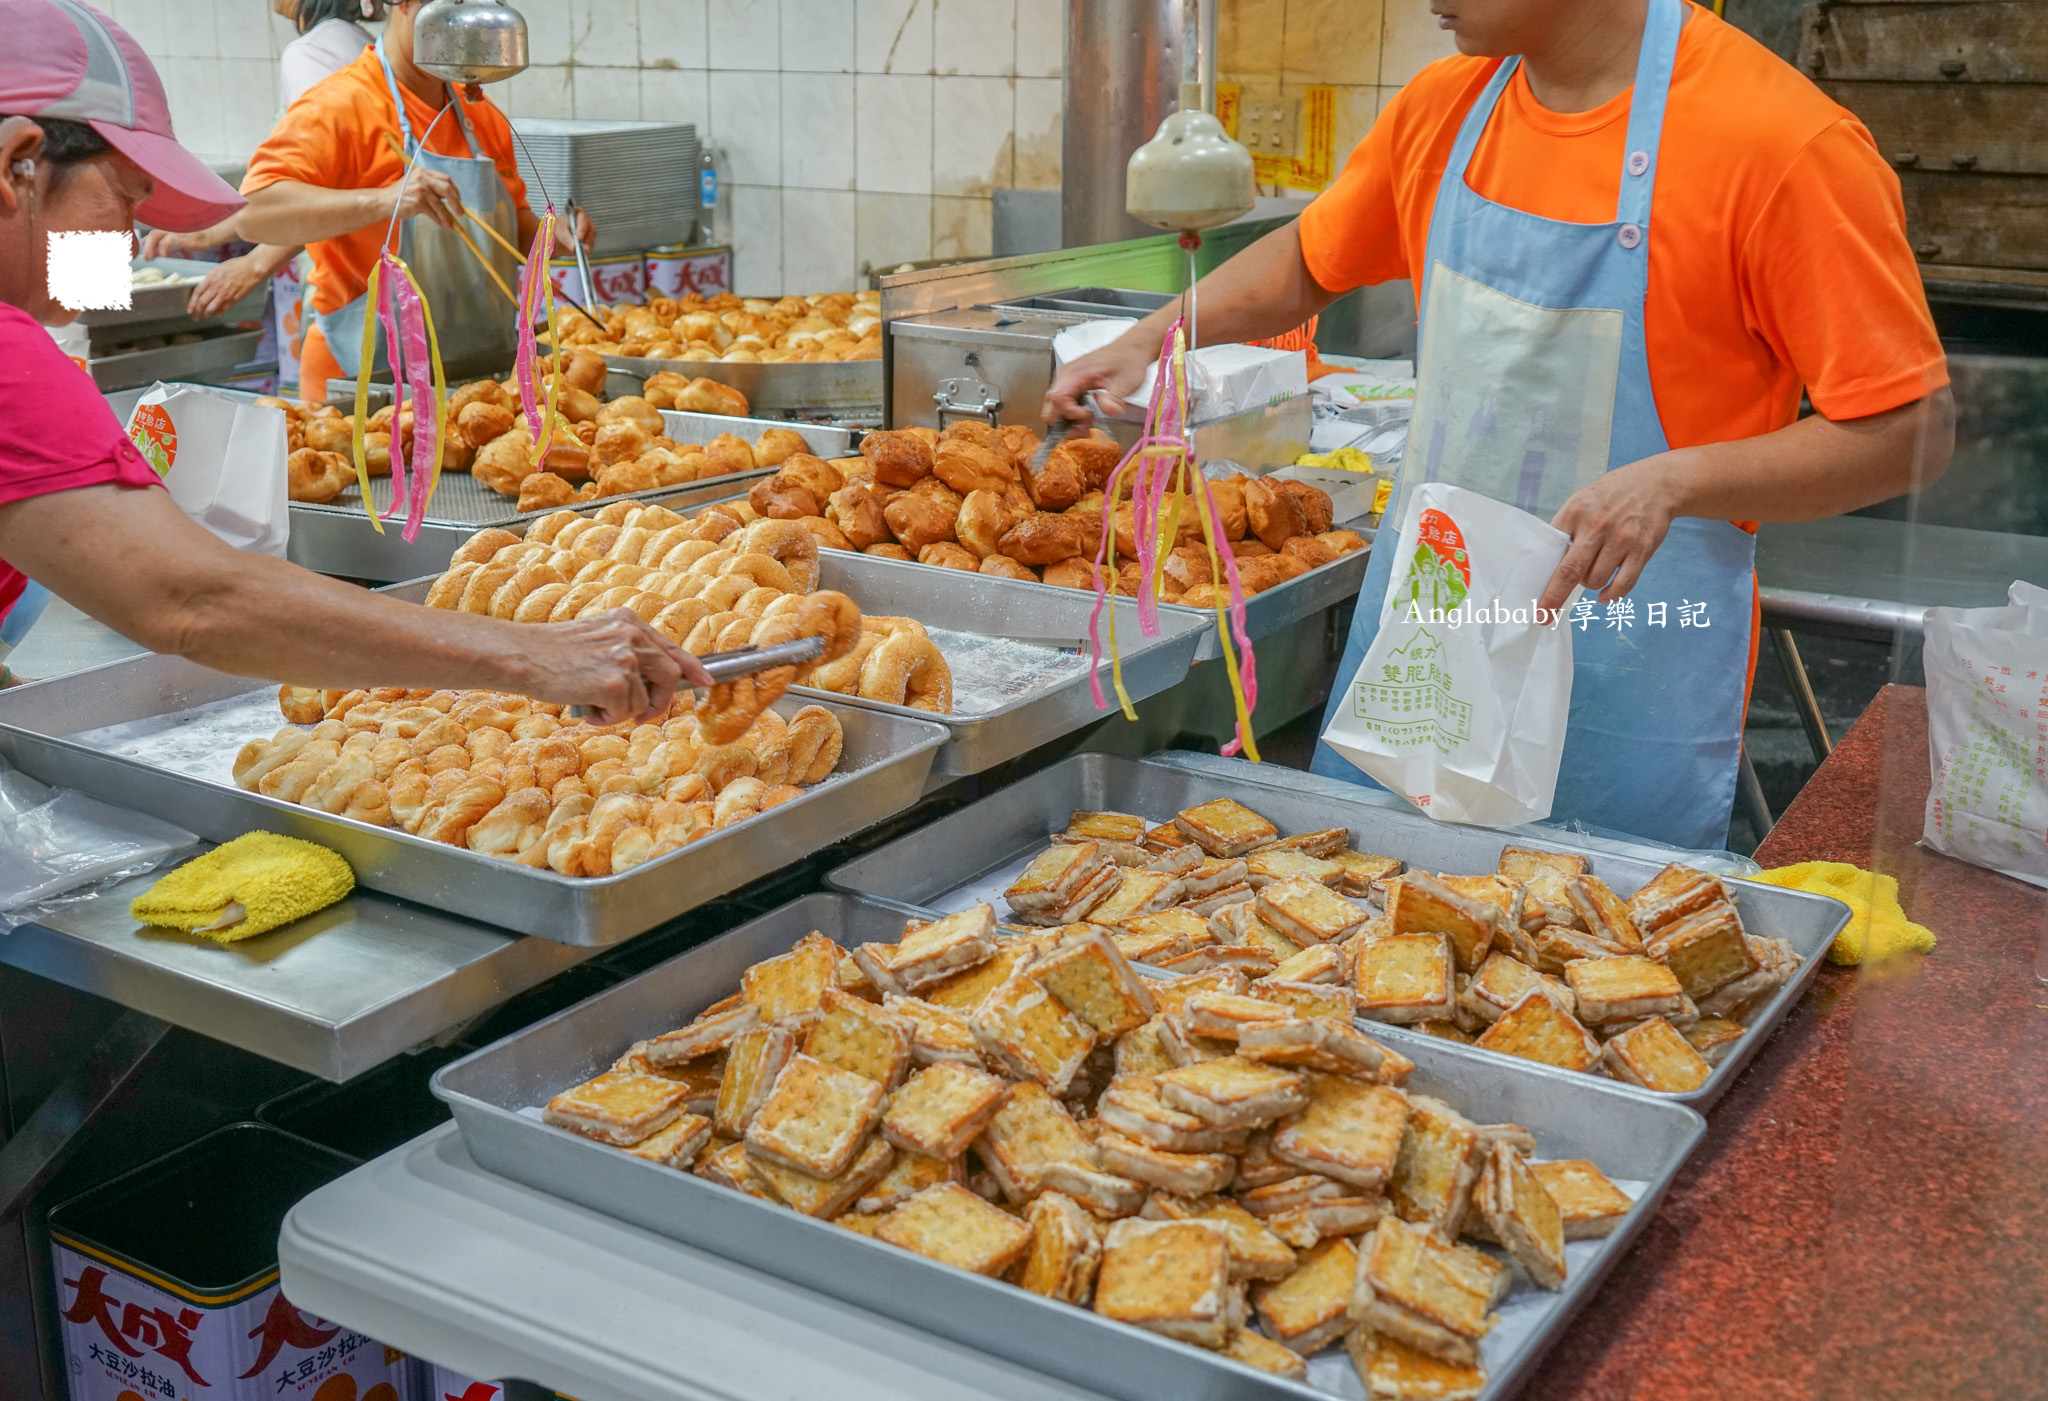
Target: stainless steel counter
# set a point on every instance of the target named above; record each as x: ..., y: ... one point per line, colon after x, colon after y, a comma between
x: 1863, y: 577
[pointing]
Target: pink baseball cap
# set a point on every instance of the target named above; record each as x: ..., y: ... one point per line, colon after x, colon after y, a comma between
x: 68, y: 60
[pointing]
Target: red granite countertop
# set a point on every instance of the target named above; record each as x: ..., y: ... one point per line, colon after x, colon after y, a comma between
x: 1867, y: 1216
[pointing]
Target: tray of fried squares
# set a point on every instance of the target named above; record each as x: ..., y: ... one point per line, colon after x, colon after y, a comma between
x: 1048, y: 1187
x: 1611, y: 966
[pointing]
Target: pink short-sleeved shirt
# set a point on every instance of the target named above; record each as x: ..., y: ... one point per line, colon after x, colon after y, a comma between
x: 56, y: 432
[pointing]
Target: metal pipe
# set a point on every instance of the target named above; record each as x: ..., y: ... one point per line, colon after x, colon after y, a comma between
x: 1803, y: 698
x: 1123, y: 78
x: 1208, y: 44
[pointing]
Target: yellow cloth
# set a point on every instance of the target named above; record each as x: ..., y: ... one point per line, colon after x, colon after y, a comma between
x: 271, y: 879
x: 1878, y: 929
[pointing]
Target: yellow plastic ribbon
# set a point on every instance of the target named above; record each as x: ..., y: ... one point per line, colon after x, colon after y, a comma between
x: 363, y: 396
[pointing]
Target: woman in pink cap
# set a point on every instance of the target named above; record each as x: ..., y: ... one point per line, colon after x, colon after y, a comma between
x: 86, y: 145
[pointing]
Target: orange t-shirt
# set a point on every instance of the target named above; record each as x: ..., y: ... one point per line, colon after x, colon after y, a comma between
x: 333, y: 136
x: 1778, y: 253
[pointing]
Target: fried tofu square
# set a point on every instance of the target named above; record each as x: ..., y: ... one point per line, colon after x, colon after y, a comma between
x: 1706, y: 949
x: 1322, y: 844
x: 1522, y: 1216
x: 1350, y: 1131
x: 1055, y: 876
x: 1425, y: 905
x: 824, y: 1197
x: 1031, y: 1131
x: 1552, y: 946
x: 1106, y: 827
x: 1519, y: 863
x: 1027, y: 1033
x: 1308, y: 912
x: 1390, y: 1370
x: 1671, y: 895
x: 1206, y: 878
x: 951, y: 1225
x: 1255, y: 1252
x: 1603, y: 912
x: 1622, y: 989
x: 1306, y: 999
x: 1167, y: 837
x: 1094, y: 982
x: 1132, y: 1107
x: 854, y: 1034
x: 1277, y: 863
x: 1190, y: 1174
x: 699, y: 1078
x: 1777, y: 964
x: 1172, y: 994
x: 617, y: 1108
x: 1306, y: 1311
x: 1423, y: 1292
x: 1147, y: 948
x: 930, y: 953
x: 751, y: 1066
x: 1105, y: 1194
x: 1654, y: 1056
x: 706, y: 1036
x: 1714, y: 1038
x: 1234, y: 1093
x: 1297, y: 1189
x: 1065, y: 1249
x: 1322, y: 1043
x: 1138, y: 1052
x: 1183, y: 1047
x: 1406, y: 978
x: 815, y: 1117
x: 730, y: 1166
x: 1502, y: 981
x: 677, y: 1145
x: 1138, y: 893
x: 1221, y: 1014
x: 908, y: 1174
x: 1588, y: 1204
x: 1093, y: 892
x: 1171, y: 1277
x: 1225, y: 827
x: 1321, y: 964
x: 1537, y: 1029
x: 936, y: 1033
x: 942, y: 1109
x: 1247, y: 928
x: 1249, y: 959
x: 791, y: 985
x: 1185, y: 925
x: 1358, y: 871
x: 963, y: 992
x: 858, y: 1223
x: 1256, y: 1350
x: 1445, y: 1031
x: 1440, y: 1159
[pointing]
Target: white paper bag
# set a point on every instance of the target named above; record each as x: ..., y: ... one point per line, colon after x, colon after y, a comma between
x: 222, y: 458
x: 1461, y: 703
x: 1987, y: 734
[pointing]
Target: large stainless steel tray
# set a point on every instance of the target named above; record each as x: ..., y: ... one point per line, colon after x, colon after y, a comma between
x: 842, y: 386
x: 217, y: 352
x: 1018, y: 653
x: 83, y: 730
x: 972, y: 854
x: 1636, y: 1138
x: 337, y: 538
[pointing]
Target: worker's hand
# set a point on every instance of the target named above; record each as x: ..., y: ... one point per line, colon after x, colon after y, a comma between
x: 162, y: 243
x: 586, y: 233
x: 227, y: 284
x: 614, y: 664
x: 423, y: 191
x: 1117, y: 369
x: 1616, y: 523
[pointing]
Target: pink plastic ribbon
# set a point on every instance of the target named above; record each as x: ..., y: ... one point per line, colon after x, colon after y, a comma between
x: 412, y: 328
x: 395, y: 352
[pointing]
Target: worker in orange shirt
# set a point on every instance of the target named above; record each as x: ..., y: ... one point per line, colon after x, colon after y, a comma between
x: 331, y: 176
x: 1636, y: 236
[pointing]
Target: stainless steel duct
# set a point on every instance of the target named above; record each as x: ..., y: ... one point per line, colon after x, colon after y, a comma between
x: 1123, y: 77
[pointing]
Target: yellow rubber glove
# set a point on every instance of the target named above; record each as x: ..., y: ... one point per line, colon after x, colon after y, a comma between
x: 1878, y: 929
x: 246, y: 887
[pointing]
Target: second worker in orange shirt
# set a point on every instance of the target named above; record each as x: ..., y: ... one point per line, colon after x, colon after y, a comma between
x: 1636, y: 236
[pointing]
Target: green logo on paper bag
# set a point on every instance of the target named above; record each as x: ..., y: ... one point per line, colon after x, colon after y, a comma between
x: 1408, y: 702
x: 1440, y: 575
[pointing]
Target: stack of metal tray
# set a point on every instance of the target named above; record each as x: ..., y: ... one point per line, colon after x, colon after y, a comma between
x: 1637, y: 1139
x: 159, y: 734
x: 337, y: 537
x: 973, y: 854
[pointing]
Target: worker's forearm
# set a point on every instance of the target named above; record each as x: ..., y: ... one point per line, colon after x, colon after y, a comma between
x: 289, y: 213
x: 1266, y: 290
x: 1817, y: 467
x: 270, y: 257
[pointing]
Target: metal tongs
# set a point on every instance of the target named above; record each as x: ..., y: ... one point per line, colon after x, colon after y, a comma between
x: 745, y: 661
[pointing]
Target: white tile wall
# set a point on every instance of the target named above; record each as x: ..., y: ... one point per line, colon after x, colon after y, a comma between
x: 857, y: 133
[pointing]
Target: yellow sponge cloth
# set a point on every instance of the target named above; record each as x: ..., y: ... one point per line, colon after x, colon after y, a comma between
x: 1878, y: 929
x: 247, y: 886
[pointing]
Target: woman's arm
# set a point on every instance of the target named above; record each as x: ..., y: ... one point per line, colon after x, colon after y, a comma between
x: 1808, y: 470
x: 292, y: 212
x: 234, y: 279
x: 1263, y: 291
x: 130, y: 558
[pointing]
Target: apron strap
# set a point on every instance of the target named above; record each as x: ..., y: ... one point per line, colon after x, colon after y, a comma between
x: 1654, y: 63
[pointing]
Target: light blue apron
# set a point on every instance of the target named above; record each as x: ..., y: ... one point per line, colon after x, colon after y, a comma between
x: 476, y: 327
x: 1532, y: 380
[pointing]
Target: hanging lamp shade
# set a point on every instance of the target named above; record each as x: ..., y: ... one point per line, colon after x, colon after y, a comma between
x: 469, y: 41
x: 1191, y: 176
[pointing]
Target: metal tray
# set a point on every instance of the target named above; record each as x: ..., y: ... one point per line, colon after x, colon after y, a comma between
x: 1633, y: 1136
x: 217, y: 352
x: 1011, y: 628
x: 845, y: 386
x: 972, y: 854
x: 43, y: 730
x: 157, y: 301
x: 1286, y: 604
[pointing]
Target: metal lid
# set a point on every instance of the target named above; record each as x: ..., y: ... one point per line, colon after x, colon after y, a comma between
x: 470, y: 41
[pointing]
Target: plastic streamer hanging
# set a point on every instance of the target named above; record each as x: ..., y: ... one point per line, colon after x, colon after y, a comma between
x: 537, y: 292
x: 1163, y: 481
